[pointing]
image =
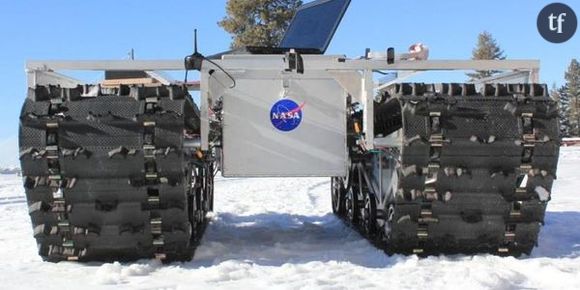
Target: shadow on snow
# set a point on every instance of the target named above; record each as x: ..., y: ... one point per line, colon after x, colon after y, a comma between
x: 274, y: 239
x: 559, y: 237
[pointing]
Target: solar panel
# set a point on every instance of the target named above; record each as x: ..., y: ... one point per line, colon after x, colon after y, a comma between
x: 314, y: 25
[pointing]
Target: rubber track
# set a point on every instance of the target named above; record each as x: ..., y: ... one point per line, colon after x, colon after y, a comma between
x: 462, y: 169
x: 106, y: 177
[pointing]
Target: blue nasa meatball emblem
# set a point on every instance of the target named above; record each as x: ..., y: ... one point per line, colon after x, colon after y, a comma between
x: 286, y: 115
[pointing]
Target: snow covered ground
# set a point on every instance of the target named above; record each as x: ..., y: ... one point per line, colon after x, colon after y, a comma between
x: 280, y: 234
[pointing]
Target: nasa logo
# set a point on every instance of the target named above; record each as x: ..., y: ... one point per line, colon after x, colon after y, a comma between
x: 286, y: 115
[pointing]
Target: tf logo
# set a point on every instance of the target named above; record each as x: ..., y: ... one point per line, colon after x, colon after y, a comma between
x: 286, y: 115
x: 557, y: 23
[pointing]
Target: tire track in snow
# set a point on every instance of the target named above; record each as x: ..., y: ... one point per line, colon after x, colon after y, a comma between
x: 11, y: 197
x: 12, y: 200
x: 313, y: 198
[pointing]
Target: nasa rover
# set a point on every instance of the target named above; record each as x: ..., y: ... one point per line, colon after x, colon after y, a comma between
x: 124, y: 169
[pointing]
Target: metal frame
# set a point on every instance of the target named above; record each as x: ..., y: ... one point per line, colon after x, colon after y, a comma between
x: 355, y: 75
x: 273, y: 62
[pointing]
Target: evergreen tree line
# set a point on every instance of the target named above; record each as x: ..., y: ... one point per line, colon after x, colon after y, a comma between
x: 568, y: 97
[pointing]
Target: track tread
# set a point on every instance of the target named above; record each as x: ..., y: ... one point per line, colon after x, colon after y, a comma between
x: 105, y: 174
x: 461, y: 166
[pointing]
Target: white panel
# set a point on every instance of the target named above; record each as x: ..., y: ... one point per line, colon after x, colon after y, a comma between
x: 254, y: 147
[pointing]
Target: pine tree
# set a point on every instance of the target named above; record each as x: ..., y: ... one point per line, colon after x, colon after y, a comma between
x: 258, y: 22
x: 487, y: 48
x: 563, y: 99
x: 572, y: 90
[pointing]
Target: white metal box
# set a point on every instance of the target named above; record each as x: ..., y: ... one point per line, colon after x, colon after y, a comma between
x: 278, y: 124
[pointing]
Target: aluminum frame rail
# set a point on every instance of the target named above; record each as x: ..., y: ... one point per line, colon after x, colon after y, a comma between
x: 355, y: 75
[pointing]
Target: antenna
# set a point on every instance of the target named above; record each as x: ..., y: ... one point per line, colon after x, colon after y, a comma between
x: 194, y: 60
x: 195, y: 41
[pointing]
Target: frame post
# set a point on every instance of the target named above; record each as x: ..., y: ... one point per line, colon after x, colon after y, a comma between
x: 368, y: 103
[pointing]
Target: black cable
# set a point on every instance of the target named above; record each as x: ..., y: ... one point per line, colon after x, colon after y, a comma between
x: 186, y: 61
x: 186, y: 70
x: 223, y: 70
x: 382, y: 72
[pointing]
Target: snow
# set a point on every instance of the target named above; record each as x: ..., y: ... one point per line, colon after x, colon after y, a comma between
x: 280, y: 234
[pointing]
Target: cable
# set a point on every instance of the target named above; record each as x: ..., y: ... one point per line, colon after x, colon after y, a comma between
x: 186, y: 62
x: 186, y: 70
x: 382, y: 72
x: 223, y: 70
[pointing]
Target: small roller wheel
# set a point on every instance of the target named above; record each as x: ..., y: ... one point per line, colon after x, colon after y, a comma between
x: 369, y: 214
x: 338, y: 195
x: 352, y: 207
x: 388, y: 229
x: 353, y: 195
